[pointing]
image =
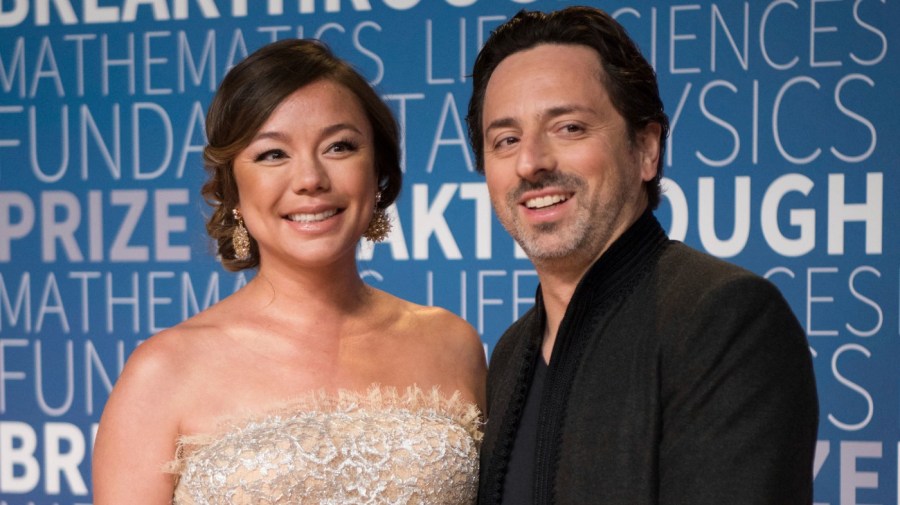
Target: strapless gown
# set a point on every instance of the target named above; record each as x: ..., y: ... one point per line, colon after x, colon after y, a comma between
x: 377, y: 447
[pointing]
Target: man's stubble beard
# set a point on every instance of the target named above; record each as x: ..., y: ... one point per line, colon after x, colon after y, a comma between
x: 577, y: 236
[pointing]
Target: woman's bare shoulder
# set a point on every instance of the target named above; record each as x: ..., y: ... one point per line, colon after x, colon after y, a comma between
x: 145, y: 412
x: 171, y: 356
x: 428, y: 320
x: 449, y: 344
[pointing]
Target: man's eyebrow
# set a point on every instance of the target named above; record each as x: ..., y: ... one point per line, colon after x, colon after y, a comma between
x: 503, y: 122
x: 552, y: 112
x: 566, y: 109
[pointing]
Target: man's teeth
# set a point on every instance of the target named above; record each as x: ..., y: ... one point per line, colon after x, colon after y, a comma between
x: 545, y: 201
x: 309, y: 218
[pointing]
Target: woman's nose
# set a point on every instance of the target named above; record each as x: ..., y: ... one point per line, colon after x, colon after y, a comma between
x: 308, y: 175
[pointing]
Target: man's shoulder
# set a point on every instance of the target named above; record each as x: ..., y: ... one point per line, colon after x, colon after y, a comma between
x: 687, y: 267
x: 690, y: 280
x: 679, y: 254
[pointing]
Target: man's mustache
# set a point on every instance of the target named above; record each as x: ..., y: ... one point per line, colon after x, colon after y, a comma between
x: 555, y: 178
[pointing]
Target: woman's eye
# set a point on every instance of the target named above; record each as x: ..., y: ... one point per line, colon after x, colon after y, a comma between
x: 271, y: 155
x: 342, y: 146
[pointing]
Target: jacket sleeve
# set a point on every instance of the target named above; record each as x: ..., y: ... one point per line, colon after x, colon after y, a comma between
x: 739, y: 402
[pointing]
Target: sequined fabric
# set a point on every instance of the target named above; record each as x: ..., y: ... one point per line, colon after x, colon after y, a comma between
x: 378, y: 447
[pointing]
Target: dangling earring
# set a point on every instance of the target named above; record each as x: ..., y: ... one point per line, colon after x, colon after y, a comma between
x: 380, y: 225
x: 240, y: 239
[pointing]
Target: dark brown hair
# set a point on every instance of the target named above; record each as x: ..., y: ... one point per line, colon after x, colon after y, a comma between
x: 248, y: 95
x: 629, y: 79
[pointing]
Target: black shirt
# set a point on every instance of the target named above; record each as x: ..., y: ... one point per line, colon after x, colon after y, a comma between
x: 518, y: 485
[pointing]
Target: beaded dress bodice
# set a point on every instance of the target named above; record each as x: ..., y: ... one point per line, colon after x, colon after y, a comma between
x: 378, y: 447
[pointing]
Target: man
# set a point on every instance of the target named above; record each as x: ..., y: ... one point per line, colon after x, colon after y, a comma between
x: 647, y: 372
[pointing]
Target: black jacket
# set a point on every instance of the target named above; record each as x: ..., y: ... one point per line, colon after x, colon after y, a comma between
x: 676, y: 378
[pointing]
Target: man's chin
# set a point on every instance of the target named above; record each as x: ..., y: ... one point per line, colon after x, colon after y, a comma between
x: 544, y: 250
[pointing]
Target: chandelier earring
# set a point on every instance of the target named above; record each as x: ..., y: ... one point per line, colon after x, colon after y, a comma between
x: 380, y: 225
x: 240, y: 239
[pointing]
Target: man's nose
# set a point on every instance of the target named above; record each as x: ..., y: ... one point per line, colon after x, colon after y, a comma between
x: 535, y: 156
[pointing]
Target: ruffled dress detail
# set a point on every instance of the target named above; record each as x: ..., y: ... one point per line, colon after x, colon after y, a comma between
x: 376, y: 447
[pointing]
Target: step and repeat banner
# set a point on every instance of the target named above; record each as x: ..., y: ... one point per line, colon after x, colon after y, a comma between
x: 783, y: 158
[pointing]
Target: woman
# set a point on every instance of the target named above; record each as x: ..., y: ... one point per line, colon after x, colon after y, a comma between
x: 306, y: 385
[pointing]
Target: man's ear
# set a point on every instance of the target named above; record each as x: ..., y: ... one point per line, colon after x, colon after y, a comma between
x: 647, y: 144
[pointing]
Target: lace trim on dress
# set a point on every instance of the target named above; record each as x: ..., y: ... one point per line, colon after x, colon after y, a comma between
x: 377, y: 398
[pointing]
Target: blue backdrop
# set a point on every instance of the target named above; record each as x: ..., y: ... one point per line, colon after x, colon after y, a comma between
x: 783, y: 158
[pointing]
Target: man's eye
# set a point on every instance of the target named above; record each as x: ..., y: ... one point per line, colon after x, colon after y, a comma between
x: 505, y: 142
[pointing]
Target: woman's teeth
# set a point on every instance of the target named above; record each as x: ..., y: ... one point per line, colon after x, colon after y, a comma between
x: 309, y: 218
